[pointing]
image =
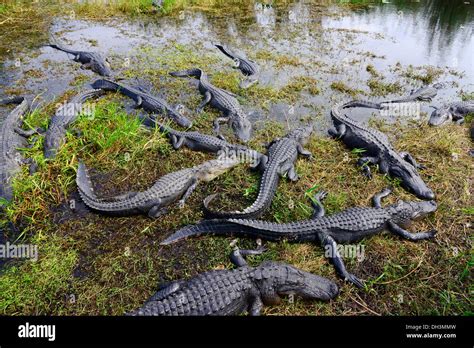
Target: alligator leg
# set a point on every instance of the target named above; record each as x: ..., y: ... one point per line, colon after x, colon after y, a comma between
x: 237, y: 256
x: 138, y: 102
x: 177, y: 142
x: 409, y: 158
x: 364, y: 163
x: 207, y: 99
x: 337, y: 132
x: 165, y: 290
x: 330, y: 247
x: 303, y: 152
x: 318, y: 208
x: 377, y: 198
x: 157, y: 211
x: 86, y: 66
x: 460, y: 121
x: 289, y: 170
x: 217, y: 123
x: 26, y: 133
x: 256, y: 305
x: 188, y: 193
x: 395, y: 229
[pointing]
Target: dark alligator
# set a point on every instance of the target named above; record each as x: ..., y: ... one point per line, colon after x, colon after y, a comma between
x: 222, y: 100
x: 348, y: 226
x: 65, y: 115
x: 218, y: 145
x: 12, y: 138
x: 248, y: 67
x: 455, y: 111
x: 232, y: 292
x: 145, y: 100
x: 89, y: 60
x: 154, y: 201
x: 378, y: 150
x: 282, y: 155
x: 426, y: 93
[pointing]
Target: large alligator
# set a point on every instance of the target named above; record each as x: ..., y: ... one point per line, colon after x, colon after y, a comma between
x: 426, y: 93
x: 455, y: 111
x: 154, y: 201
x: 378, y: 150
x: 65, y: 115
x: 145, y: 100
x: 248, y: 67
x: 282, y: 155
x: 12, y: 138
x: 89, y: 60
x: 347, y: 226
x: 222, y: 100
x: 218, y: 145
x: 232, y: 292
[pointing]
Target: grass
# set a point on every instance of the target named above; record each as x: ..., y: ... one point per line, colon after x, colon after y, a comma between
x: 98, y: 265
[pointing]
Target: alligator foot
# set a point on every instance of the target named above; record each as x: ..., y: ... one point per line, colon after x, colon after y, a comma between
x: 409, y: 158
x: 332, y: 253
x: 395, y: 229
x: 237, y: 256
x: 377, y: 198
x: 316, y: 202
x: 364, y: 162
x: 157, y: 211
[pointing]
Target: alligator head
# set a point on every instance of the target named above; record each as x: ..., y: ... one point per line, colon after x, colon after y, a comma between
x: 411, y: 181
x: 404, y: 212
x: 53, y: 143
x: 212, y: 169
x: 302, y: 134
x: 290, y: 280
x: 178, y: 114
x: 242, y: 128
x: 440, y: 116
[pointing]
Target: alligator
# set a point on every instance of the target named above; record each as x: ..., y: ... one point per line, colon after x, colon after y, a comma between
x: 145, y: 100
x: 455, y: 111
x: 218, y: 145
x: 222, y: 100
x: 12, y: 137
x: 426, y: 93
x: 282, y: 155
x: 378, y: 150
x: 232, y: 292
x: 348, y: 226
x: 248, y: 67
x: 154, y: 201
x: 65, y: 115
x: 89, y: 60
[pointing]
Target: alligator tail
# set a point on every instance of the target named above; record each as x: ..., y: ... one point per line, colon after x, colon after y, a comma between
x: 84, y: 183
x: 67, y: 50
x: 224, y: 50
x: 12, y: 100
x: 212, y: 227
x: 105, y: 85
x: 361, y: 104
x: 196, y: 73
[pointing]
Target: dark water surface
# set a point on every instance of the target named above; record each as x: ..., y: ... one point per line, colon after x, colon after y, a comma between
x: 333, y: 44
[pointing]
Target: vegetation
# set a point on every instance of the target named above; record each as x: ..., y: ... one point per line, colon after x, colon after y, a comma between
x: 94, y: 264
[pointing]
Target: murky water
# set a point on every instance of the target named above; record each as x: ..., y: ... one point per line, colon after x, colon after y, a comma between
x: 330, y: 45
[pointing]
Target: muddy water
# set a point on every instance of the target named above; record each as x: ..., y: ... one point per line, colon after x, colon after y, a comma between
x: 330, y: 44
